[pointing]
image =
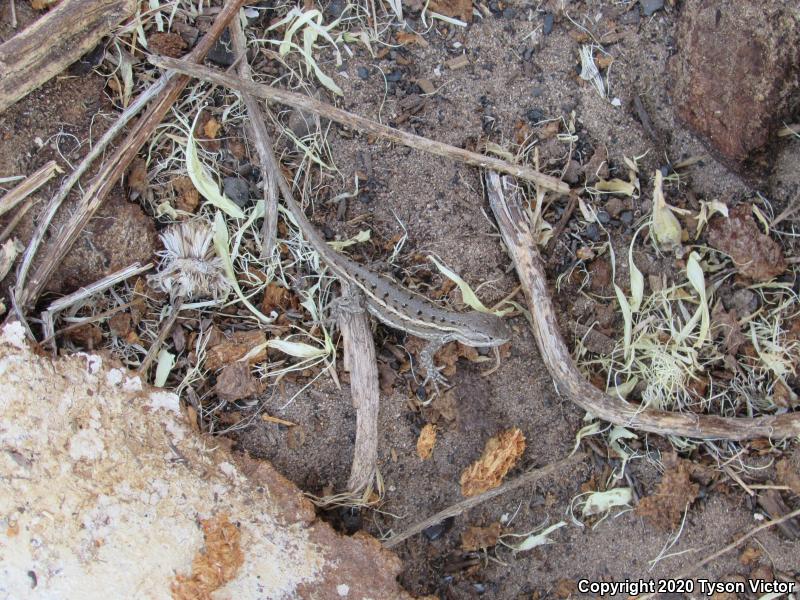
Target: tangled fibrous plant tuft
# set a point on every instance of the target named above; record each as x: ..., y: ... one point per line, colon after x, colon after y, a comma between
x: 188, y: 266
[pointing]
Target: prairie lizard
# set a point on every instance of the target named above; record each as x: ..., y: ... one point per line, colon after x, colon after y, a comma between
x: 395, y: 306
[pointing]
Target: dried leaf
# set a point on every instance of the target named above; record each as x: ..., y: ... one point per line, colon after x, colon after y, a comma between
x: 203, y: 181
x: 458, y: 9
x: 788, y: 475
x: 236, y: 382
x: 499, y: 455
x: 426, y: 441
x: 673, y: 494
x: 480, y: 538
x: 666, y: 227
x: 234, y: 348
x: 755, y: 254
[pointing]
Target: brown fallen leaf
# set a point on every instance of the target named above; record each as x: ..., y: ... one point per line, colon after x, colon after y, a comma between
x: 725, y: 324
x: 168, y: 44
x: 480, y: 538
x: 137, y: 179
x: 426, y: 441
x: 665, y: 508
x: 750, y: 556
x: 788, y: 475
x: 406, y: 38
x: 499, y: 455
x: 213, y: 566
x: 234, y: 348
x: 756, y: 255
x: 458, y: 9
x: 43, y: 4
x: 236, y: 382
x: 187, y: 198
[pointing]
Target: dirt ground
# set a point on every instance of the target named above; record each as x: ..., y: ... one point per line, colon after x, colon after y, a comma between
x: 443, y: 211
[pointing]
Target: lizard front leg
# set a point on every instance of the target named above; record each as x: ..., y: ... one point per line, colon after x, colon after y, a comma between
x: 432, y: 372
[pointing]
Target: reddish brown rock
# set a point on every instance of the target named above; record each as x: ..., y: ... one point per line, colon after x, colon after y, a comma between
x: 735, y: 75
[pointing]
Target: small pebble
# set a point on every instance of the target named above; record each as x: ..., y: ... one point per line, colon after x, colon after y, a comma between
x: 537, y: 91
x: 548, y: 23
x: 534, y: 115
x: 592, y: 232
x: 395, y: 76
x: 626, y: 216
x: 363, y: 73
x: 603, y: 217
x: 237, y: 190
x: 222, y: 52
x: 649, y: 7
x: 434, y: 532
x: 509, y: 12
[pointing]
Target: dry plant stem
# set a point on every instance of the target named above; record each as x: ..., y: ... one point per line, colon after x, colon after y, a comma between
x: 463, y: 506
x: 269, y: 228
x: 516, y: 233
x: 359, y: 347
x: 55, y: 41
x: 28, y: 186
x: 361, y: 362
x: 85, y: 292
x: 169, y: 322
x: 305, y: 103
x: 732, y: 546
x: 12, y: 224
x: 113, y: 168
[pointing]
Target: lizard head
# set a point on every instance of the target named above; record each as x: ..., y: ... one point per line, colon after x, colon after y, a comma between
x: 487, y: 330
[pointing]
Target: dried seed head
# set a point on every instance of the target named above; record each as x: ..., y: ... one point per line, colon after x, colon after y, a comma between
x: 188, y: 266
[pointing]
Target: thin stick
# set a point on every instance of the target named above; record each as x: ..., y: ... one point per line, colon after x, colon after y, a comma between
x: 169, y: 322
x: 362, y: 364
x: 12, y: 224
x: 269, y: 228
x: 113, y: 168
x: 463, y: 506
x: 515, y: 229
x: 28, y: 186
x: 89, y: 290
x: 732, y: 546
x: 305, y: 103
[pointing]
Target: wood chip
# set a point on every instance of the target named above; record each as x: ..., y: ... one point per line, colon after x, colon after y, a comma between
x: 499, y: 455
x: 234, y: 348
x: 426, y: 441
x: 459, y: 62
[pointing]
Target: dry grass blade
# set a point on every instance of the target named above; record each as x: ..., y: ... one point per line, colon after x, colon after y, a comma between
x: 305, y: 103
x: 28, y: 186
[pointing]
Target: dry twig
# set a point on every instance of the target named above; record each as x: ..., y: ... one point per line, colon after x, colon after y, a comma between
x: 29, y: 185
x: 517, y: 235
x: 256, y: 126
x: 55, y: 41
x: 113, y: 168
x: 463, y: 506
x: 305, y: 103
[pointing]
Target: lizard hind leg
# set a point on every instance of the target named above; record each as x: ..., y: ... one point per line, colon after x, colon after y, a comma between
x: 432, y: 372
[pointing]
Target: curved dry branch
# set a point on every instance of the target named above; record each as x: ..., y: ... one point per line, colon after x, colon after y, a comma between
x: 516, y: 233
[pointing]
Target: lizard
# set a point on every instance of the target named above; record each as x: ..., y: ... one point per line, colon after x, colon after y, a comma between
x: 394, y: 305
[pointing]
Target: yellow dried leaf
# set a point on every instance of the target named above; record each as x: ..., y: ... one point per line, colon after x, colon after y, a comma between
x: 426, y: 441
x: 499, y: 455
x: 211, y: 128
